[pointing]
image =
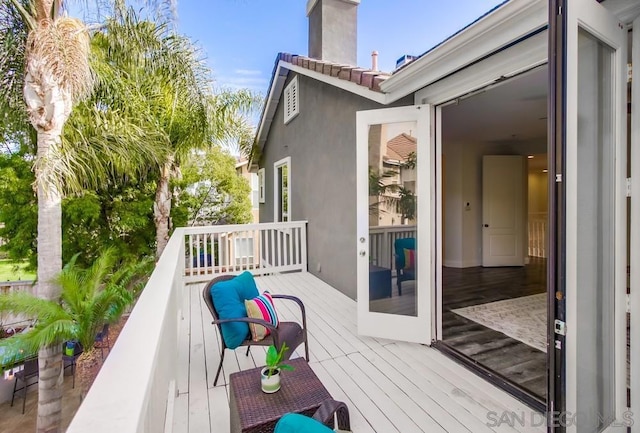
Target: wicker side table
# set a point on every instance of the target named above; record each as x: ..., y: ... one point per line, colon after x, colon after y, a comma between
x: 253, y: 411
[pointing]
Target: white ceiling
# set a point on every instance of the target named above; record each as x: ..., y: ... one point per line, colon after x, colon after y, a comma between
x: 514, y: 111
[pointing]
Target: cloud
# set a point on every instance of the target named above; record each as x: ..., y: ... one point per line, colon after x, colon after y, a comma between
x: 247, y: 72
x: 243, y: 82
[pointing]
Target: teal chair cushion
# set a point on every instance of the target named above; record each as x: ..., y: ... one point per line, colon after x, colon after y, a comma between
x: 247, y: 288
x: 296, y: 423
x: 228, y: 297
x: 399, y: 246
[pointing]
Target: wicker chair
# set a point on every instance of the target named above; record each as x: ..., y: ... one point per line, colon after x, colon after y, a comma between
x: 403, y: 274
x: 328, y: 413
x: 290, y: 332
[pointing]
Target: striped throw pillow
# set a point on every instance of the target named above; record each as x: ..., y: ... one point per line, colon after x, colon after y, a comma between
x: 261, y: 307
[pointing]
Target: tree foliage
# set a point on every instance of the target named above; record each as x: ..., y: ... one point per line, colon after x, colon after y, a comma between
x: 90, y: 297
x: 210, y: 191
x: 119, y: 216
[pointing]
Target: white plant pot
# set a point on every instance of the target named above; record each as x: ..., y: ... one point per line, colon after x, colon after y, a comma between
x: 270, y: 384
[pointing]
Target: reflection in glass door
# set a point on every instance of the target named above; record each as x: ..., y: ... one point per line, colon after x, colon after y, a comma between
x: 395, y: 269
x: 393, y: 218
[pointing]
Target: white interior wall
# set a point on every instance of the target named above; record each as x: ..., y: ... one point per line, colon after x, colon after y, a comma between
x: 463, y: 184
x: 538, y: 182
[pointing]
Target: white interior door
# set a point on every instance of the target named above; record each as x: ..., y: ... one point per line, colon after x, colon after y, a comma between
x: 503, y: 214
x: 394, y: 185
x: 595, y: 172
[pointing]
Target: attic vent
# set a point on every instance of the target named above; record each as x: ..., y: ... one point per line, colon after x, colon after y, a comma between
x: 291, y: 104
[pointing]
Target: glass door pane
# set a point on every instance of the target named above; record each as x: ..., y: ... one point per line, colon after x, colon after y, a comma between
x: 393, y: 219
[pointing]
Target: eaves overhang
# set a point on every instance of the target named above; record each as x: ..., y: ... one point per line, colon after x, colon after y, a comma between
x: 501, y: 27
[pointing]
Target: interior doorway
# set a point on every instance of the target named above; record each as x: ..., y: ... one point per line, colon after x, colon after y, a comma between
x: 494, y: 204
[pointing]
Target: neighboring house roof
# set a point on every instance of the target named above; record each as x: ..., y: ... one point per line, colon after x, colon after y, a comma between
x: 401, y: 146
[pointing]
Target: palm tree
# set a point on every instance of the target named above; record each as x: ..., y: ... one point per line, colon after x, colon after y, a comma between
x: 171, y: 86
x: 89, y: 298
x: 48, y: 56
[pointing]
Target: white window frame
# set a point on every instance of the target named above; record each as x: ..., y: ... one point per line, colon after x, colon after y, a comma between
x: 261, y: 186
x: 276, y: 190
x: 291, y: 100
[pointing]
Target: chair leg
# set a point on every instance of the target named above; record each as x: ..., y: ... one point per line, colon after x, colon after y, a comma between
x: 248, y: 348
x: 24, y: 401
x: 73, y: 373
x: 215, y: 381
x: 15, y: 385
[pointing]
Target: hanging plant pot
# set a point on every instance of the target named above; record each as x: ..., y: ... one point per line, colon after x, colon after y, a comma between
x: 270, y: 384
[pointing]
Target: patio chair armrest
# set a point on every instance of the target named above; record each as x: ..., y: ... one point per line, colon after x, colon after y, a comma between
x: 331, y: 407
x: 300, y: 304
x: 264, y: 323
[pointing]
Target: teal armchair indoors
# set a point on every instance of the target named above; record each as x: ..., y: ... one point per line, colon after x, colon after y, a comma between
x: 405, y: 254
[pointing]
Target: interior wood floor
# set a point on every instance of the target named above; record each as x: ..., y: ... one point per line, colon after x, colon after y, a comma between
x: 518, y: 362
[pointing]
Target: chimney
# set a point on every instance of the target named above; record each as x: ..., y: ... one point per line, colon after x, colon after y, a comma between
x: 374, y: 61
x: 333, y: 30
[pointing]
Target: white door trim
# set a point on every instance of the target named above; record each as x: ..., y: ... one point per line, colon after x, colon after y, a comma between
x: 635, y: 228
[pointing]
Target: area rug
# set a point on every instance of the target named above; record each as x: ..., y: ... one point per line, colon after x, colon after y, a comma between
x: 524, y: 318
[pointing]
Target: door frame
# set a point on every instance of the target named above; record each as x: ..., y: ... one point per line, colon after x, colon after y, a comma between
x: 416, y: 328
x: 526, y: 53
x: 593, y: 17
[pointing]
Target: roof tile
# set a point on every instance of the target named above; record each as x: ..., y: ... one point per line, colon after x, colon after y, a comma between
x: 361, y: 76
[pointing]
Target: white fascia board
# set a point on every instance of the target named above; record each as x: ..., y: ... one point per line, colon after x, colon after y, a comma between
x: 272, y: 103
x: 349, y: 86
x: 505, y: 25
x: 523, y: 57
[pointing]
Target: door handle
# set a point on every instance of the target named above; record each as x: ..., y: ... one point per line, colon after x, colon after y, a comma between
x: 486, y: 225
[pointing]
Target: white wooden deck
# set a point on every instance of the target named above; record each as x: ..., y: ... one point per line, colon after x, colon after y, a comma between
x: 389, y: 386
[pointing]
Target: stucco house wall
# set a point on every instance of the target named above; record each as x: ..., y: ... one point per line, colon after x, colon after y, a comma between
x: 321, y: 142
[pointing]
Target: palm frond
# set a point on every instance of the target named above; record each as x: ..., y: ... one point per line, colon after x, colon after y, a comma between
x: 29, y: 305
x: 60, y: 49
x: 13, y: 37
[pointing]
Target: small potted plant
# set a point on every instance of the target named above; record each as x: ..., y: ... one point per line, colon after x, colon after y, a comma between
x: 270, y: 374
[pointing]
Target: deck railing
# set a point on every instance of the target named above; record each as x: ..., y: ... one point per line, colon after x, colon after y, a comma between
x: 136, y: 386
x: 259, y: 248
x: 381, y: 240
x: 537, y: 233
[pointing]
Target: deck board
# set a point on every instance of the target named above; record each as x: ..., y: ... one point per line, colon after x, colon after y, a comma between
x: 389, y: 386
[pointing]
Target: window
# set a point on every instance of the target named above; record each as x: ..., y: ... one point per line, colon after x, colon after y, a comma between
x: 282, y: 190
x: 291, y: 105
x: 261, y: 192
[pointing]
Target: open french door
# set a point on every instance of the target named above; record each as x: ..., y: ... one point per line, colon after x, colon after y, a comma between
x: 395, y: 224
x: 589, y: 388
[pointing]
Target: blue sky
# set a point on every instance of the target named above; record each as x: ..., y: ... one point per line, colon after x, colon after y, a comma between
x: 241, y: 38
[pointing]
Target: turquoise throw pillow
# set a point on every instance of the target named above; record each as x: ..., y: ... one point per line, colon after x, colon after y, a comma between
x: 226, y: 298
x: 296, y: 423
x: 247, y: 288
